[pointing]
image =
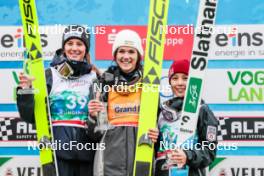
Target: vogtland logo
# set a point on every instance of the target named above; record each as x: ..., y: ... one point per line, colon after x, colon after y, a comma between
x: 246, y: 85
x: 237, y: 38
x: 16, y: 39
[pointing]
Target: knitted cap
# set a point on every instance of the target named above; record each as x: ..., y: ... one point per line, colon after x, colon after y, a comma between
x: 127, y: 38
x: 180, y: 66
x: 78, y: 32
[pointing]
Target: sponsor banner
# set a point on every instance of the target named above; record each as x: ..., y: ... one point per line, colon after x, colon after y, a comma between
x: 7, y: 93
x: 245, y: 131
x: 227, y: 86
x: 8, y: 114
x: 12, y: 42
x: 234, y: 86
x: 229, y: 41
x: 226, y: 146
x: 178, y: 38
x: 20, y: 166
x: 257, y: 114
x: 237, y: 166
x: 15, y: 132
x: 237, y: 42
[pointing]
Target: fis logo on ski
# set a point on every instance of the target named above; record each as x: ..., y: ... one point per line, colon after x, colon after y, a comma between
x: 193, y: 94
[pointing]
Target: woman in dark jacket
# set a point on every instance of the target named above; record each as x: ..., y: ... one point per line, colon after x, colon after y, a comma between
x: 122, y: 107
x: 196, y: 157
x: 68, y: 81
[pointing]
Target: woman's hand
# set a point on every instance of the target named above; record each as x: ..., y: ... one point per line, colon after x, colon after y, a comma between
x: 179, y: 157
x: 153, y: 134
x: 94, y: 107
x: 25, y: 81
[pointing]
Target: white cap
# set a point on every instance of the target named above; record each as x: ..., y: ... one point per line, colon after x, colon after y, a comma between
x: 127, y: 38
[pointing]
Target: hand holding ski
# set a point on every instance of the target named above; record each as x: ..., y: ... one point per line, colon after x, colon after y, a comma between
x: 25, y: 81
x: 36, y: 69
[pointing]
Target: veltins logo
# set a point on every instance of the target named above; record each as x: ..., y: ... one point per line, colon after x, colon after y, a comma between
x: 193, y: 94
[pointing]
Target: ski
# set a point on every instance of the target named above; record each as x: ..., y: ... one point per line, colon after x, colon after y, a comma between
x: 198, y: 63
x: 158, y: 13
x: 36, y: 69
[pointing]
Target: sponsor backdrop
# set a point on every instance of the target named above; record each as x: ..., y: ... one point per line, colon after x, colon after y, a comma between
x: 234, y: 85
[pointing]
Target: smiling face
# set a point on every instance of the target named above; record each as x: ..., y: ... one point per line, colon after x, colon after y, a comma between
x: 126, y: 58
x: 74, y: 49
x: 178, y: 83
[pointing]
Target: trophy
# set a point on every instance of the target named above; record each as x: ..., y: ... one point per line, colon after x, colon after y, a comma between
x: 102, y: 117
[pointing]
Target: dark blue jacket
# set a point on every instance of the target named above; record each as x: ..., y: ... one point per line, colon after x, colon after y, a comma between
x: 65, y: 134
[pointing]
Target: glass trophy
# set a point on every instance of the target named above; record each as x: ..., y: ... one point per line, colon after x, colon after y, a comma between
x: 102, y: 117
